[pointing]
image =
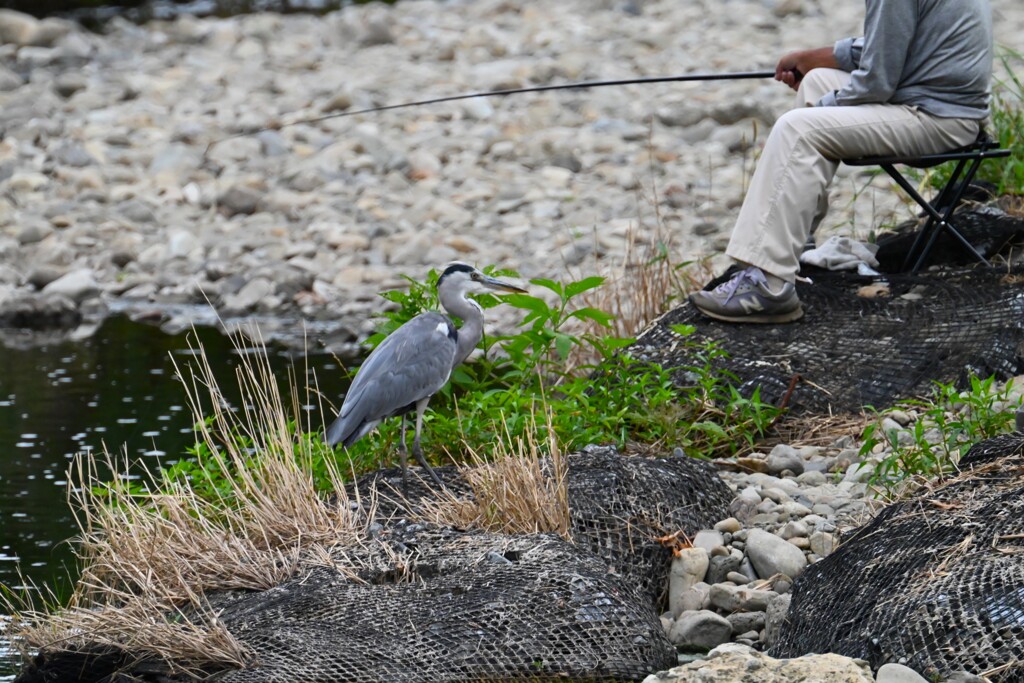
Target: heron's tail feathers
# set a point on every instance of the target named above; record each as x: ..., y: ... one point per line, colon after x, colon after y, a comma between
x: 346, y: 431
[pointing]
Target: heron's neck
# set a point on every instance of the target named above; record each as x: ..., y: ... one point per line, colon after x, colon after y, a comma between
x: 472, y: 329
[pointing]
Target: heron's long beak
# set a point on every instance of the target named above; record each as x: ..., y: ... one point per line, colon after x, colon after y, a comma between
x: 501, y: 285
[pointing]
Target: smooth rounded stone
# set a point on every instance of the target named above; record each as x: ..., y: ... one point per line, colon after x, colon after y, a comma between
x: 823, y: 509
x: 794, y: 509
x: 812, y: 478
x: 688, y: 569
x: 34, y: 232
x: 772, y: 555
x: 775, y: 615
x: 821, y: 543
x: 136, y: 211
x: 782, y: 458
x: 77, y: 285
x: 719, y: 568
x: 774, y: 495
x: 793, y: 529
x: 239, y: 200
x: 740, y: 662
x: 898, y: 673
x: 26, y: 181
x: 40, y: 276
x: 730, y: 598
x: 68, y: 83
x: 728, y: 525
x: 858, y: 473
x: 17, y: 28
x: 700, y: 631
x: 742, y: 622
x: 696, y: 598
x: 745, y: 503
x: 181, y: 244
x: 708, y: 540
x: 254, y: 291
x: 738, y: 578
x: 800, y: 542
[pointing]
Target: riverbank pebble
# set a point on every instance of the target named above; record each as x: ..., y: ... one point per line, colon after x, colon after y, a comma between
x: 107, y: 172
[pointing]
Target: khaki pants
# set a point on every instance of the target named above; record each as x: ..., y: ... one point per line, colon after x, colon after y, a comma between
x: 788, y: 193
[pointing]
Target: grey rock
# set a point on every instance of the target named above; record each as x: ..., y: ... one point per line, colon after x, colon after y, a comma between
x: 793, y: 529
x: 136, y: 211
x: 746, y: 621
x: 254, y: 291
x: 708, y: 540
x: 70, y: 154
x: 729, y: 525
x: 41, y: 276
x: 77, y: 285
x: 17, y: 28
x: 720, y: 566
x: 688, y: 569
x: 898, y: 673
x: 239, y: 200
x: 775, y: 615
x: 739, y: 578
x: 782, y: 458
x: 772, y: 555
x: 272, y: 143
x: 68, y: 83
x: 34, y: 232
x: 700, y: 631
x: 822, y: 543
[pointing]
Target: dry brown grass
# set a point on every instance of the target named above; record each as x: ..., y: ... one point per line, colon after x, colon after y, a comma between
x: 518, y: 490
x: 149, y: 558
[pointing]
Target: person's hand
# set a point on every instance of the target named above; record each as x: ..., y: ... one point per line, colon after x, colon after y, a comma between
x: 789, y: 70
x: 794, y: 65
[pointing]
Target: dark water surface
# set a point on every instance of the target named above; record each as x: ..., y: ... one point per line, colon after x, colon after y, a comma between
x: 118, y: 389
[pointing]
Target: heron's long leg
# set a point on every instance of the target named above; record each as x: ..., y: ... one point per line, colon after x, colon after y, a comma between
x: 421, y: 407
x: 403, y: 455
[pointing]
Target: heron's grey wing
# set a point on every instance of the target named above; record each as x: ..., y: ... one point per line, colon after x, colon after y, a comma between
x: 411, y: 364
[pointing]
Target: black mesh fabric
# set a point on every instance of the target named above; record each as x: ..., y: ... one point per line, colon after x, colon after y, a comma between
x: 446, y: 605
x: 849, y: 351
x: 935, y: 582
x: 619, y: 505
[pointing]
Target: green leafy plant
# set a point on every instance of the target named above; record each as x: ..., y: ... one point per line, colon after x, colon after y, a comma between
x: 949, y: 422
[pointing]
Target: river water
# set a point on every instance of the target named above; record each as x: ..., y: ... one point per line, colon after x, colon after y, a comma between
x: 117, y: 389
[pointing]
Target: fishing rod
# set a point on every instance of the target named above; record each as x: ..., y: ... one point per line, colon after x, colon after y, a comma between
x: 581, y: 85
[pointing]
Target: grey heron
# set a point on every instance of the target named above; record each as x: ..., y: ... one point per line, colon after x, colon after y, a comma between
x: 414, y: 362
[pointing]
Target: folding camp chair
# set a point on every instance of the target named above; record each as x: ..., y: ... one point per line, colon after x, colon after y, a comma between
x: 940, y: 209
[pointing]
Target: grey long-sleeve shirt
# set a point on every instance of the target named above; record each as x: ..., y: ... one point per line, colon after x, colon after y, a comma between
x: 933, y: 54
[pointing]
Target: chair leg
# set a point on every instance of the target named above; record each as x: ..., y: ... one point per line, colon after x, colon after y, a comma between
x: 937, y: 222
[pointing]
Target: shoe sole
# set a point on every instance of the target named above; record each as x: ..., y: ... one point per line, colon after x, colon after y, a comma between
x: 764, y: 319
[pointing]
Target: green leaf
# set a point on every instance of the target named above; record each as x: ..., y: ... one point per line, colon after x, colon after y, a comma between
x: 577, y: 288
x: 597, y: 315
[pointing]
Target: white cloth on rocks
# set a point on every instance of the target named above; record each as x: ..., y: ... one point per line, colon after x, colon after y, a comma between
x: 843, y: 253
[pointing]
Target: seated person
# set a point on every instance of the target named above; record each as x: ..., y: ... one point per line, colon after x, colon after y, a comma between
x: 917, y: 83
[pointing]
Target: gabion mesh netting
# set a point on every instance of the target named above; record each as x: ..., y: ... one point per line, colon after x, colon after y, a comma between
x: 436, y: 604
x: 619, y: 505
x: 854, y: 348
x: 418, y: 602
x: 935, y: 582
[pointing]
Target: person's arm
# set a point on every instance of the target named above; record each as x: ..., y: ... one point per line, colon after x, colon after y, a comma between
x: 879, y: 58
x: 792, y: 67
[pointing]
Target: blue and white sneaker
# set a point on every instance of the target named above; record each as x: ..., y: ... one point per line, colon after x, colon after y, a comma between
x: 745, y: 298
